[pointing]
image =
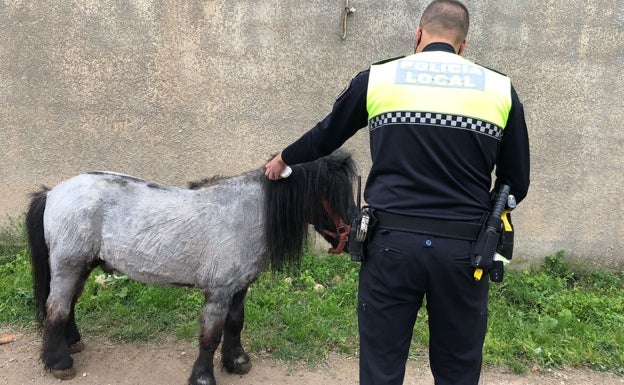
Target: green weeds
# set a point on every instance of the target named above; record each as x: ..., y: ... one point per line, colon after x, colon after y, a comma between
x: 549, y: 316
x: 307, y: 316
x: 553, y: 317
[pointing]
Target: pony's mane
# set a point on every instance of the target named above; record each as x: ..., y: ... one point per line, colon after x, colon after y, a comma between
x: 206, y: 182
x: 292, y: 203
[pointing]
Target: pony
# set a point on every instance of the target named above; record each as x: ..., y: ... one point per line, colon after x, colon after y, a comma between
x: 218, y: 236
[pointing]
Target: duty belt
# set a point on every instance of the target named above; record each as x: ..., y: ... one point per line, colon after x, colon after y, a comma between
x: 449, y: 229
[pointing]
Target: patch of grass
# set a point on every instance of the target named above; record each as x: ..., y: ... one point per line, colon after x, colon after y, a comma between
x: 551, y: 317
x: 121, y: 309
x: 12, y: 238
x: 548, y: 316
x: 307, y: 316
x: 16, y: 295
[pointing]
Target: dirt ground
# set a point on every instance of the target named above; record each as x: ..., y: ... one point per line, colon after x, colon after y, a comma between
x: 105, y: 363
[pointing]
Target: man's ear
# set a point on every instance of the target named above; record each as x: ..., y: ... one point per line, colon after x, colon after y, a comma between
x: 417, y: 38
x: 462, y: 47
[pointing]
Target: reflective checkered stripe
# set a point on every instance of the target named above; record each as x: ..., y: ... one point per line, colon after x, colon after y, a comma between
x: 440, y: 120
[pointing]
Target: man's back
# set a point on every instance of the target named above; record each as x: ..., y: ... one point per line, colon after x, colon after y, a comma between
x: 436, y: 123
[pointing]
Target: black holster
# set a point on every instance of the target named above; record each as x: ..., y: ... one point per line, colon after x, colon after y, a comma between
x: 489, y: 242
x: 361, y: 229
x: 356, y: 249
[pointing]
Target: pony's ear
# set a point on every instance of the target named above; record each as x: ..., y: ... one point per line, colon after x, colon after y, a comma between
x: 344, y: 163
x: 345, y: 159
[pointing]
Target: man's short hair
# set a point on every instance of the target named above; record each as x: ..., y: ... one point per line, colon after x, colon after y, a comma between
x: 448, y: 18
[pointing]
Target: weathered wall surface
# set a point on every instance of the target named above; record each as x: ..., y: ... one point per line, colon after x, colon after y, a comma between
x: 172, y: 91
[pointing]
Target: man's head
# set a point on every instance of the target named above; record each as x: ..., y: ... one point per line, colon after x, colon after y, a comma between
x: 443, y: 21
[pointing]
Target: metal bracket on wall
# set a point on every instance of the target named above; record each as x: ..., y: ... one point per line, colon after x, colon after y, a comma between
x: 346, y: 12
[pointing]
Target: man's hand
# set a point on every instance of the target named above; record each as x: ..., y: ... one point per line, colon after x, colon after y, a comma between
x: 275, y: 167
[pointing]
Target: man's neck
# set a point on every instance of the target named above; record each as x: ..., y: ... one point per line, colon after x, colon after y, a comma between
x: 439, y: 46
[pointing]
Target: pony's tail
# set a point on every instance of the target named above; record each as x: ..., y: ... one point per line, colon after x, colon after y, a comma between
x: 39, y: 253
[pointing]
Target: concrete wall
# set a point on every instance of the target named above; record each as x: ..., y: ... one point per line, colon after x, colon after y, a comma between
x: 173, y: 91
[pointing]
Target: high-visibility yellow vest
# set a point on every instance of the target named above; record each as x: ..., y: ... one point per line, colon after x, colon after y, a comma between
x: 440, y: 83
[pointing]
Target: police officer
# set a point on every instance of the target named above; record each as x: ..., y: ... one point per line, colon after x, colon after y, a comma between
x: 439, y: 125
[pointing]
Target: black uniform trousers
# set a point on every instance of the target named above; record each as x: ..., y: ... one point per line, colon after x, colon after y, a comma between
x: 399, y: 270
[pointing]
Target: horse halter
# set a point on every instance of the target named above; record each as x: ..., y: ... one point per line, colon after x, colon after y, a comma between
x: 342, y: 230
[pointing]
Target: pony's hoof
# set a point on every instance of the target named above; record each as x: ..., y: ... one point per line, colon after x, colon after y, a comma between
x: 64, y: 374
x: 242, y: 364
x: 202, y: 380
x: 77, y: 347
x: 242, y: 368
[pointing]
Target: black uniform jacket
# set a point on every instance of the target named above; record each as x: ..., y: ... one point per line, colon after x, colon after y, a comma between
x: 424, y: 171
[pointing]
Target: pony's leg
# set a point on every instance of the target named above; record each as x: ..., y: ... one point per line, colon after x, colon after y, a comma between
x: 211, y: 330
x: 55, y: 352
x: 72, y: 334
x: 234, y: 358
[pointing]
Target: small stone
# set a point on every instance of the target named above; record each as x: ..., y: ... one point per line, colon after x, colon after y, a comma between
x: 318, y: 287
